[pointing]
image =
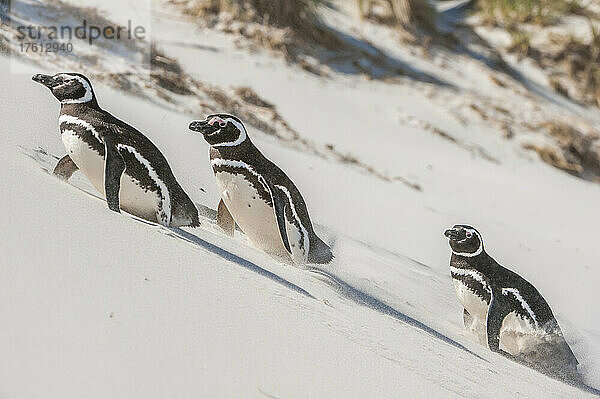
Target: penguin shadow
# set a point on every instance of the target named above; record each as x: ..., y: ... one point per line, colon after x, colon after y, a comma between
x: 569, y: 377
x: 584, y: 387
x: 364, y: 299
x: 576, y: 382
x: 231, y: 257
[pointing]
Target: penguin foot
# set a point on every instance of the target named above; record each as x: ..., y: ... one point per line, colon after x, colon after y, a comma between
x: 225, y: 220
x: 65, y: 168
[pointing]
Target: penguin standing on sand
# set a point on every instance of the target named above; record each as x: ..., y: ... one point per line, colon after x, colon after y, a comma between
x: 259, y: 196
x: 508, y: 313
x: 119, y: 161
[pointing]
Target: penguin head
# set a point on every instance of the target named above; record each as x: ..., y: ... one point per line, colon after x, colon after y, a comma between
x: 68, y: 88
x: 465, y: 240
x: 221, y: 130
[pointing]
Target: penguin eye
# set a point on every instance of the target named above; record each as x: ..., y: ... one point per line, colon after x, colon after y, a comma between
x: 469, y: 234
x: 222, y: 123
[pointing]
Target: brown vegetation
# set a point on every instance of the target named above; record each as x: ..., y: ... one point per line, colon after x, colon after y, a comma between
x: 520, y: 43
x: 573, y: 63
x: 410, y: 14
x: 539, y: 12
x: 297, y: 18
x: 575, y: 152
x: 581, y: 62
x: 294, y: 29
x: 168, y: 74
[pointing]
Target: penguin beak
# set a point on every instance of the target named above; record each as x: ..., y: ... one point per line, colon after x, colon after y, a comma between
x: 452, y: 234
x: 46, y: 80
x: 203, y: 127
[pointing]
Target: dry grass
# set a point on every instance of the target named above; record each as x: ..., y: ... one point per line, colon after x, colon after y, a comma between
x: 295, y: 14
x: 294, y: 30
x: 573, y: 63
x: 409, y: 14
x: 581, y: 61
x: 540, y: 12
x: 249, y: 96
x: 4, y: 48
x: 168, y: 74
x: 298, y: 19
x: 574, y: 152
x: 520, y: 43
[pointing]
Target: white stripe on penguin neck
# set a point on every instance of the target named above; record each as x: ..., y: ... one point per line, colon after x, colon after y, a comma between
x: 69, y: 119
x: 89, y: 94
x: 240, y: 164
x: 472, y: 254
x: 241, y: 138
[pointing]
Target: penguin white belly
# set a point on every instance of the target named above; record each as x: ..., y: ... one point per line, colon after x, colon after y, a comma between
x: 133, y: 199
x: 254, y: 216
x: 519, y: 335
x: 476, y: 307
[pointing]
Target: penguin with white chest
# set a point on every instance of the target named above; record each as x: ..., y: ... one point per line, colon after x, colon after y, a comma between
x: 258, y: 195
x: 122, y: 163
x: 506, y: 311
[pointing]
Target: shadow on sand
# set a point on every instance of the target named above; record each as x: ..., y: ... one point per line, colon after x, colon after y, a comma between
x: 344, y: 288
x: 191, y: 238
x: 347, y: 290
x: 367, y: 300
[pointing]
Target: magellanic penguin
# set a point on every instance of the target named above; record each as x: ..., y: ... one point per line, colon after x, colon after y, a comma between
x: 505, y: 310
x: 122, y: 163
x: 259, y: 196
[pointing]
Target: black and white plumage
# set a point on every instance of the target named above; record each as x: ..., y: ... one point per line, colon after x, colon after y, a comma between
x: 506, y: 311
x: 258, y: 195
x: 119, y: 161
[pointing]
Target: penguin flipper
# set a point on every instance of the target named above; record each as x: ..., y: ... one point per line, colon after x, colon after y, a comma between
x: 65, y: 168
x: 497, y: 311
x: 224, y: 219
x: 114, y: 166
x: 279, y: 204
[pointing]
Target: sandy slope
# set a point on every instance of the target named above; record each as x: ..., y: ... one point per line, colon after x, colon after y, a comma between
x: 96, y: 304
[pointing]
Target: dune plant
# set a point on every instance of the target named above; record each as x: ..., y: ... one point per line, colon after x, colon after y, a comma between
x: 410, y: 14
x: 299, y: 17
x: 295, y: 14
x: 540, y: 12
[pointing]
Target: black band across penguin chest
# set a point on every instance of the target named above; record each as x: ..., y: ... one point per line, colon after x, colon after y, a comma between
x: 475, y: 281
x: 83, y: 130
x: 238, y: 167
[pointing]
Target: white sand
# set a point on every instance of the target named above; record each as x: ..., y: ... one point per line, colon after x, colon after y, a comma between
x: 96, y: 304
